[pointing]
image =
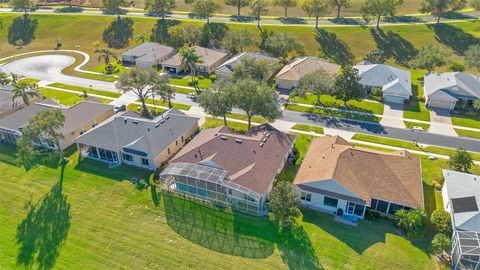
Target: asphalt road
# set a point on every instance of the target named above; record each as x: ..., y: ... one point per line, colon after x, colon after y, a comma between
x: 379, y: 130
x: 49, y: 67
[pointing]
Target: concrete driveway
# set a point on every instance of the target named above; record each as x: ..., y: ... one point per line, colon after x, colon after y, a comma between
x: 392, y: 115
x: 441, y: 122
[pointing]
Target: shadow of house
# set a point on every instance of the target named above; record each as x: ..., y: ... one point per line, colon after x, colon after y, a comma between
x: 359, y: 238
x: 297, y: 249
x: 224, y: 232
x: 41, y: 234
x: 333, y: 48
x: 453, y: 37
x: 393, y: 45
x: 292, y: 20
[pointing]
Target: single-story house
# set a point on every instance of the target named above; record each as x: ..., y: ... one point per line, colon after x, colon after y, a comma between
x: 290, y: 74
x: 396, y: 84
x: 336, y: 176
x: 461, y: 198
x: 443, y: 90
x: 7, y: 105
x: 148, y: 54
x: 230, y: 169
x: 79, y: 118
x: 210, y: 60
x: 225, y: 71
x: 133, y: 140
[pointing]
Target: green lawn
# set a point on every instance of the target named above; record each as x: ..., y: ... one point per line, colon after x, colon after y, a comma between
x: 165, y: 104
x: 211, y: 122
x: 349, y: 42
x: 255, y: 119
x: 416, y: 110
x: 468, y: 133
x: 330, y: 101
x: 99, y: 77
x: 309, y: 128
x: 66, y: 98
x: 411, y: 125
x: 118, y: 68
x: 136, y: 108
x: 469, y: 120
x: 409, y: 145
x: 333, y: 113
x: 30, y: 80
x: 203, y: 82
x: 88, y: 90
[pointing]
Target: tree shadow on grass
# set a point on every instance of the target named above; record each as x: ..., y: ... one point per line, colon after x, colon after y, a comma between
x: 334, y: 48
x: 453, y: 37
x: 393, y: 45
x: 41, y: 234
x: 221, y: 231
x: 297, y: 249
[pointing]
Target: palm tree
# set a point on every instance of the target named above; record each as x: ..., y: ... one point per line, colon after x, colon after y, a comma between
x: 190, y: 59
x: 105, y: 55
x: 25, y: 90
x: 141, y: 38
x: 4, y: 79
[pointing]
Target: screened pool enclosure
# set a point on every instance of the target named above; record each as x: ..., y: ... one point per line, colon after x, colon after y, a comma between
x: 466, y: 250
x: 212, y: 184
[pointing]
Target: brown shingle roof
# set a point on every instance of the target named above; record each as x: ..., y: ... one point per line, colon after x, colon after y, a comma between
x: 304, y: 66
x: 208, y: 56
x: 248, y: 163
x: 394, y: 177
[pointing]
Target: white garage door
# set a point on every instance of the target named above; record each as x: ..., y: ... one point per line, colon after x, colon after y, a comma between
x: 440, y: 104
x: 393, y: 99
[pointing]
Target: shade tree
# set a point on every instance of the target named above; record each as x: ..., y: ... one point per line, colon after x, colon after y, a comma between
x: 283, y: 204
x: 339, y: 4
x: 114, y: 6
x: 379, y: 8
x: 429, y: 57
x: 285, y: 4
x: 258, y: 8
x: 282, y: 44
x: 159, y: 7
x: 22, y: 30
x: 258, y: 69
x: 316, y: 9
x: 160, y: 86
x: 472, y: 57
x: 317, y: 83
x: 138, y: 81
x: 205, y: 8
x: 119, y: 32
x: 439, y: 7
x: 235, y: 41
x: 461, y: 160
x: 347, y: 85
x: 239, y: 4
x: 217, y: 101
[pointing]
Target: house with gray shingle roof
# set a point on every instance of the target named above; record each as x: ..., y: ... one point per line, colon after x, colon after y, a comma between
x: 225, y: 71
x: 396, y: 84
x: 133, y: 140
x: 148, y: 54
x: 443, y: 90
x: 79, y: 118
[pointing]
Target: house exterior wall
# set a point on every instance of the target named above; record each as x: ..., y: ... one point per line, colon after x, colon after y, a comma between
x: 174, y: 147
x: 68, y: 138
x: 286, y: 84
x: 128, y: 58
x: 440, y: 104
x: 318, y: 199
x: 211, y: 68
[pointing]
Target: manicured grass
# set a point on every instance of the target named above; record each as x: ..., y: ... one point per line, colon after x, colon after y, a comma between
x: 416, y: 110
x: 308, y: 128
x: 203, y: 82
x: 183, y: 90
x: 411, y: 125
x: 409, y: 145
x: 255, y: 119
x: 30, y: 80
x: 107, y: 78
x: 118, y: 68
x: 88, y: 90
x: 302, y: 143
x: 338, y: 41
x: 330, y: 101
x: 165, y: 104
x: 333, y: 113
x: 468, y: 133
x: 469, y: 120
x: 211, y: 122
x: 66, y: 98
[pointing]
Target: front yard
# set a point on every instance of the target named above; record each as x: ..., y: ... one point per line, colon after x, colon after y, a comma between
x: 333, y: 113
x: 330, y: 101
x: 468, y: 120
x: 96, y: 218
x: 66, y: 98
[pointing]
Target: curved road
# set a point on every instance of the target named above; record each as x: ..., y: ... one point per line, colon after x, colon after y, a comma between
x: 49, y: 67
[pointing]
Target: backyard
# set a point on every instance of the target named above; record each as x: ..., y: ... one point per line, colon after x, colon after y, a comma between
x: 99, y: 219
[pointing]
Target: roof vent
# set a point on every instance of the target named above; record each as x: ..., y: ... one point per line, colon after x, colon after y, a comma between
x: 224, y: 138
x: 268, y: 135
x: 135, y: 122
x: 167, y: 117
x: 261, y: 144
x: 148, y: 129
x: 157, y: 125
x: 238, y: 141
x: 162, y: 121
x: 125, y: 120
x: 264, y: 140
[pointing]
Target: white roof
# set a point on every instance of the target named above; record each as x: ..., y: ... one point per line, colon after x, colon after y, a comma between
x: 392, y: 80
x: 149, y: 51
x: 454, y: 84
x: 460, y: 186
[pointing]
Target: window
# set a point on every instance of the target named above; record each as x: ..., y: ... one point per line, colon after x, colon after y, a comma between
x: 332, y: 202
x: 382, y: 206
x: 182, y: 138
x: 176, y: 143
x: 359, y: 208
x: 92, y: 151
x: 168, y: 151
x: 229, y: 191
x: 304, y: 196
x: 127, y: 157
x: 145, y: 162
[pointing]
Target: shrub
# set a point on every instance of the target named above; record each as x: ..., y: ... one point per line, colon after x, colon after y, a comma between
x: 457, y: 67
x: 22, y: 29
x: 441, y: 221
x: 441, y: 244
x: 436, y: 185
x: 377, y: 92
x: 372, y: 214
x: 411, y: 221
